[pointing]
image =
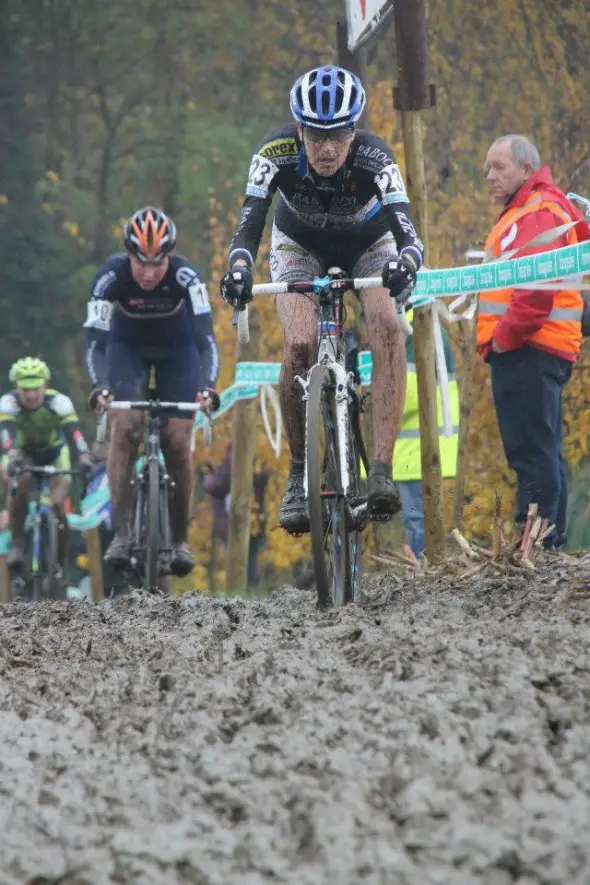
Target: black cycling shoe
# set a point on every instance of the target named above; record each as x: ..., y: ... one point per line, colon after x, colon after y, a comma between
x: 383, y: 497
x: 293, y: 515
x: 117, y: 553
x: 183, y: 561
x: 15, y: 559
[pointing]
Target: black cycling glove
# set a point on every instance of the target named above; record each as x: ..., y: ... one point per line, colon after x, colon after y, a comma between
x: 399, y: 276
x: 236, y: 286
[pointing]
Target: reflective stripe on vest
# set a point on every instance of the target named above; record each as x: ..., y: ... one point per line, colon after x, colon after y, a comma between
x: 415, y: 434
x: 561, y: 332
x: 558, y: 313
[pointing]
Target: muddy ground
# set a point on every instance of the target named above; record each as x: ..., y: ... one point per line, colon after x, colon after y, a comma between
x: 438, y: 734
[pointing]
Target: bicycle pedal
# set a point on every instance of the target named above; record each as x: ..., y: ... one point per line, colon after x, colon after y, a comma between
x: 359, y: 516
x: 381, y: 517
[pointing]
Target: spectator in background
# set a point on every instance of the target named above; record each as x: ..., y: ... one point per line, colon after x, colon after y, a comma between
x: 217, y: 483
x: 531, y: 337
x: 407, y: 456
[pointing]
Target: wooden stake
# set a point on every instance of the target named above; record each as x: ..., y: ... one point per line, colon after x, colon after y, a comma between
x: 242, y: 472
x: 5, y: 584
x: 464, y: 544
x: 94, y: 549
x: 412, y: 95
x: 467, y: 394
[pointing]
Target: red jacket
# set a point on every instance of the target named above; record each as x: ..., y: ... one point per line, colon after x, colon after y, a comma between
x: 529, y: 309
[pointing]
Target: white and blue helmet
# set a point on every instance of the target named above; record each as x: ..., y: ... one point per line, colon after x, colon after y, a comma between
x: 328, y: 98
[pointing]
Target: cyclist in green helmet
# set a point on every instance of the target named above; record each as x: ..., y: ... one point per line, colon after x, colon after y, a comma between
x: 38, y: 425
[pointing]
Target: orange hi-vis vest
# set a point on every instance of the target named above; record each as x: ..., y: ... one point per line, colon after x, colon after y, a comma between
x: 562, y: 331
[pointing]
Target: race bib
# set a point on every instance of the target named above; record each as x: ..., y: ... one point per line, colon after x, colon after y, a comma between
x: 99, y: 315
x: 199, y: 298
x: 260, y: 177
x: 391, y: 185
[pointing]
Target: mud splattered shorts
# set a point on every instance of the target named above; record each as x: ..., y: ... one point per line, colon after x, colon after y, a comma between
x: 291, y: 261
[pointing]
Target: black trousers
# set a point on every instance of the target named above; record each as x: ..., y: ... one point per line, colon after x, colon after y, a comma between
x: 527, y: 385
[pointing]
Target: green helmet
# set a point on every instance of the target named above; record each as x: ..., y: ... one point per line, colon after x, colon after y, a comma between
x: 29, y: 372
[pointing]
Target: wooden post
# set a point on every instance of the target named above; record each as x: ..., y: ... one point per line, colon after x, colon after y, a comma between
x: 242, y: 472
x: 413, y: 94
x: 94, y: 550
x: 467, y: 394
x: 5, y: 584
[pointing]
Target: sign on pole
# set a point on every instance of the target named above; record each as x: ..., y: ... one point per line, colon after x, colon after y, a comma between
x: 364, y: 17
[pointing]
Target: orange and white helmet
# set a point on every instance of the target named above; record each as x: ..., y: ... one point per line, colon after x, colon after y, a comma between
x: 149, y: 234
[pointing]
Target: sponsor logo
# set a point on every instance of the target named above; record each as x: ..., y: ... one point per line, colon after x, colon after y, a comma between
x: 373, y: 153
x: 185, y: 276
x: 103, y: 283
x: 281, y: 147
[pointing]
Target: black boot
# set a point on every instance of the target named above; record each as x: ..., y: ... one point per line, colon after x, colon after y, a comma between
x: 118, y: 552
x: 383, y: 497
x: 293, y: 515
x: 183, y: 561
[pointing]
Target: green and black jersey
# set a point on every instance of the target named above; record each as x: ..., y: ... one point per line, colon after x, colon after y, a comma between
x: 40, y: 433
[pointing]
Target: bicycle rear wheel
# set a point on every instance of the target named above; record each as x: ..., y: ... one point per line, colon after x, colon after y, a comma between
x: 152, y: 524
x: 327, y: 505
x: 43, y: 552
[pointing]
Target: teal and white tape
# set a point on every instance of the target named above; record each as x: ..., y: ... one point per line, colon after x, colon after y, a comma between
x: 569, y: 261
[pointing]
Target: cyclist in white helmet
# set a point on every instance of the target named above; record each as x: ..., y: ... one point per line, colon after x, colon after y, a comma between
x: 342, y: 203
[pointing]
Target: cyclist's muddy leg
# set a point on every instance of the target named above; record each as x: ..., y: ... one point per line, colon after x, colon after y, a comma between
x: 17, y: 504
x: 60, y: 489
x: 298, y: 317
x: 388, y: 385
x: 176, y: 446
x: 125, y: 439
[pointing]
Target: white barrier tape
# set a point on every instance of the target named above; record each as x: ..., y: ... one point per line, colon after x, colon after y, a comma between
x: 268, y: 392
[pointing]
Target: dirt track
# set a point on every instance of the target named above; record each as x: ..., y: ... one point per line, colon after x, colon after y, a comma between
x: 440, y: 735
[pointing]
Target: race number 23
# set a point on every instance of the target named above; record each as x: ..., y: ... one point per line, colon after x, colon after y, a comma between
x: 261, y: 174
x: 391, y: 184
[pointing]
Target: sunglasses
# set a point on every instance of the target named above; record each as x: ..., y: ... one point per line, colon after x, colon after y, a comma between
x: 317, y: 136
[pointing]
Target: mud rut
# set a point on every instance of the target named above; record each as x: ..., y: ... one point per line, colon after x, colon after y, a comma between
x: 439, y: 734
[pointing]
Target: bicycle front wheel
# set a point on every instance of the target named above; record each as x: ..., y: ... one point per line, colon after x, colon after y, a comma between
x: 152, y: 526
x: 327, y: 505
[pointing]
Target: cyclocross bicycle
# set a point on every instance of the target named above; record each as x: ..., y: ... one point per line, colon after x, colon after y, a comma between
x: 151, y: 540
x: 42, y: 576
x: 334, y: 447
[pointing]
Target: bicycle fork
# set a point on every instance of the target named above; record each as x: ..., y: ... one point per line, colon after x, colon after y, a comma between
x: 341, y: 379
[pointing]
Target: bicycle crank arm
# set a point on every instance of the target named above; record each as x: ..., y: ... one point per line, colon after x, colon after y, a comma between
x: 359, y: 516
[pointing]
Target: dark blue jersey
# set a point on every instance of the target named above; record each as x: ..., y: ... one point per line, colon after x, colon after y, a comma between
x: 175, y: 313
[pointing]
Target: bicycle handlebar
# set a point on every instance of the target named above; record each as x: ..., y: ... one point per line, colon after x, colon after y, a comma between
x: 49, y: 470
x: 158, y: 405
x: 310, y: 286
x: 240, y: 317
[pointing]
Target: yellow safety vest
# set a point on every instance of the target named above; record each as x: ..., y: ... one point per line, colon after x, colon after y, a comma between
x: 407, y: 464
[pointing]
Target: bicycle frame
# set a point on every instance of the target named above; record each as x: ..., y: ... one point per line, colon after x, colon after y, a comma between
x: 332, y: 354
x: 331, y: 347
x: 152, y: 453
x: 39, y: 506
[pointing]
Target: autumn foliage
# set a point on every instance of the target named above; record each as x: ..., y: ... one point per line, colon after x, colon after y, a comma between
x: 104, y: 111
x: 471, y: 112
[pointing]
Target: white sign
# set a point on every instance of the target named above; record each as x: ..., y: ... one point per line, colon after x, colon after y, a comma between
x: 363, y: 17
